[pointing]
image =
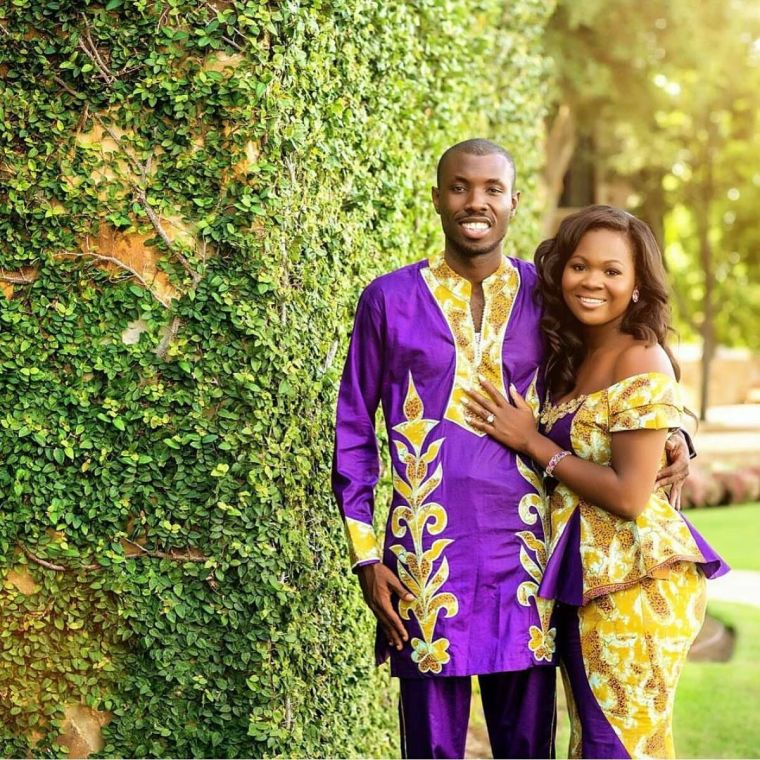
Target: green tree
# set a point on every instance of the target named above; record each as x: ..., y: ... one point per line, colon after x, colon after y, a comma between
x: 669, y: 93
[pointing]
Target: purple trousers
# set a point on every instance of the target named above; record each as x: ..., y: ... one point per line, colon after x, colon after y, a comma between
x: 519, y: 708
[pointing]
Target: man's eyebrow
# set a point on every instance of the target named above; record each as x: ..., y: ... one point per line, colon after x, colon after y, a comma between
x: 492, y: 181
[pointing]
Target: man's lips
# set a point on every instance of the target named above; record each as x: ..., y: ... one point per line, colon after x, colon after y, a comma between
x: 475, y: 228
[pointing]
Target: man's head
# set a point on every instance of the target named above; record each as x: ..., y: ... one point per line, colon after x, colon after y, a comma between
x: 475, y: 196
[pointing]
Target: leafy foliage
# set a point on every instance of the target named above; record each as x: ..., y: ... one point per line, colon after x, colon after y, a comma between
x: 192, y: 195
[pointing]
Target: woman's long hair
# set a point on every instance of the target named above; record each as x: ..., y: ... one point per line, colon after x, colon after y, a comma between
x: 647, y: 320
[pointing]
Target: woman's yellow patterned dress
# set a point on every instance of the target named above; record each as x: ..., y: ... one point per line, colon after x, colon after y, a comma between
x: 632, y: 592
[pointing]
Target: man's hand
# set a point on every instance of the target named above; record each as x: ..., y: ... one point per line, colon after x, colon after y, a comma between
x: 378, y: 584
x: 677, y: 470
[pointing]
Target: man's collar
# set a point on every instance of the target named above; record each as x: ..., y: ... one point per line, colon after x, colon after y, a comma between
x: 455, y: 283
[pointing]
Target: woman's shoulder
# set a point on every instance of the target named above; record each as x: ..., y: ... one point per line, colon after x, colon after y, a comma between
x: 646, y: 393
x: 640, y: 358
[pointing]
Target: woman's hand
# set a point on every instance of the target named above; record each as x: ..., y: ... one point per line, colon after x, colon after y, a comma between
x: 512, y: 425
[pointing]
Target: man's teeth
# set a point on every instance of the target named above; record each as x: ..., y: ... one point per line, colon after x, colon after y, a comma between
x: 476, y: 225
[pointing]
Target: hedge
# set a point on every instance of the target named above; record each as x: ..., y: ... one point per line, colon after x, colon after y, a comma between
x: 191, y: 196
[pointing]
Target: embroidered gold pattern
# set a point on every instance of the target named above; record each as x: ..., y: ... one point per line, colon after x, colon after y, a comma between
x: 532, y: 509
x: 362, y: 544
x: 416, y: 568
x: 452, y: 294
x: 552, y: 413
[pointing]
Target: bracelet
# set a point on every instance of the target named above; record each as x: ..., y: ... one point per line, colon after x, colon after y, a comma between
x: 555, y: 460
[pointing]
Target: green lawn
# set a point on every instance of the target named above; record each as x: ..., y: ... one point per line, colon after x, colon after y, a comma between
x: 717, y: 713
x: 732, y: 531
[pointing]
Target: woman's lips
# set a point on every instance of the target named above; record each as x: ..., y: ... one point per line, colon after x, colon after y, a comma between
x: 590, y: 302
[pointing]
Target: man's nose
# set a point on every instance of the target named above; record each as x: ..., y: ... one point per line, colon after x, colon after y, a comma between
x: 476, y: 200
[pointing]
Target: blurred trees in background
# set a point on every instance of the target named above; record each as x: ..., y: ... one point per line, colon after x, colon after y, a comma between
x: 665, y: 94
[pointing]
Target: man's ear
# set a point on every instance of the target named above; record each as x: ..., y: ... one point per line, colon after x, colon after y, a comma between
x: 436, y: 196
x: 515, y: 202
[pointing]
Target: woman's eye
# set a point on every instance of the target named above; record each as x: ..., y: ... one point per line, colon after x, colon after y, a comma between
x: 577, y: 267
x: 613, y: 272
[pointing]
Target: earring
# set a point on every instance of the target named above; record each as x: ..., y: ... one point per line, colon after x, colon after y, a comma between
x: 635, y: 295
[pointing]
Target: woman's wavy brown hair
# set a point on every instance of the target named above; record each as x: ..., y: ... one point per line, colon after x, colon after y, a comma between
x: 647, y: 320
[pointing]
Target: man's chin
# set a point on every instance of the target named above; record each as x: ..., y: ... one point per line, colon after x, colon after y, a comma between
x: 473, y: 250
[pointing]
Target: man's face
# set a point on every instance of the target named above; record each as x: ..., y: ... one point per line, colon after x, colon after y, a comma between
x: 475, y: 201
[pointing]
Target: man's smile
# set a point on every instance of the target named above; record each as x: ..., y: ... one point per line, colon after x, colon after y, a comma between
x: 475, y: 228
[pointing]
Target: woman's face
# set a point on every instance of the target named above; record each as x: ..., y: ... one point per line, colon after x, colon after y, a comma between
x: 599, y: 277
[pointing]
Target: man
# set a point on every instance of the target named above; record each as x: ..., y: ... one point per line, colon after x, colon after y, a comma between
x: 455, y: 588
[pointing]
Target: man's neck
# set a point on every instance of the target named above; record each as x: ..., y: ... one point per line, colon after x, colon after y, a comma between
x: 474, y: 268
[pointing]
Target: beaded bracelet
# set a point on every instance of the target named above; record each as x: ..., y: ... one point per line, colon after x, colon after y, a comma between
x: 555, y: 460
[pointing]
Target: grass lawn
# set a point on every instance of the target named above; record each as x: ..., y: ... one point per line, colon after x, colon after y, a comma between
x: 717, y: 713
x: 732, y: 531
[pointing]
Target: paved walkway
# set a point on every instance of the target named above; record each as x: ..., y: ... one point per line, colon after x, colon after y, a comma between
x: 742, y: 586
x: 730, y: 435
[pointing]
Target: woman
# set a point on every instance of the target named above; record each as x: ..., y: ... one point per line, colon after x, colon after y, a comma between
x: 627, y: 569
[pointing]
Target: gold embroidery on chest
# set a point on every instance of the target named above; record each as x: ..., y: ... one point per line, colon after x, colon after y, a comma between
x: 552, y: 413
x: 452, y: 294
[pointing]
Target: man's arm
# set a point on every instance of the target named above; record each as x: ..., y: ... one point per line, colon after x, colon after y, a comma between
x: 356, y: 465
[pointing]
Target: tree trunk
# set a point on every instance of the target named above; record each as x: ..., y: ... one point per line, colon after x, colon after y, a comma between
x: 560, y: 146
x: 707, y: 328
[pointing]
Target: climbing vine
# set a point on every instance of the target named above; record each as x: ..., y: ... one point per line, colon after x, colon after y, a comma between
x: 191, y: 196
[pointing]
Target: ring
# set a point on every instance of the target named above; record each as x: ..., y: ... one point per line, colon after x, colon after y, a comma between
x: 490, y: 419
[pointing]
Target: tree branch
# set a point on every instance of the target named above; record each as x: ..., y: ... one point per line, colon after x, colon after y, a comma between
x: 133, y: 272
x: 91, y: 51
x: 15, y: 278
x: 169, y: 336
x: 142, y: 199
x: 153, y: 553
x: 41, y: 562
x: 139, y: 189
x: 175, y: 556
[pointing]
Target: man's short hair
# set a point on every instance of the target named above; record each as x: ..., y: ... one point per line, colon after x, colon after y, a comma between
x: 477, y: 147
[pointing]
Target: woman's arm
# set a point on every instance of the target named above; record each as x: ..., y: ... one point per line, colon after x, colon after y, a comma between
x: 623, y: 489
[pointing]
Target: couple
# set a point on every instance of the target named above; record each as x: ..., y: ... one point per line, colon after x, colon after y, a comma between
x: 528, y: 409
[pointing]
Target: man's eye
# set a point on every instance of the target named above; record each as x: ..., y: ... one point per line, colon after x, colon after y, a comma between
x: 457, y: 188
x: 495, y: 190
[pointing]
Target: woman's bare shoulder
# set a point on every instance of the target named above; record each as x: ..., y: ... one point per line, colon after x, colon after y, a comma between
x: 639, y: 358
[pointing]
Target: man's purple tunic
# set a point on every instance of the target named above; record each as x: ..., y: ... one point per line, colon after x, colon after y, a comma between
x: 465, y: 531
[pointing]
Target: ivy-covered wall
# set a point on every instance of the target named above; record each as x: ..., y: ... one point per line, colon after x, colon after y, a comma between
x: 191, y: 196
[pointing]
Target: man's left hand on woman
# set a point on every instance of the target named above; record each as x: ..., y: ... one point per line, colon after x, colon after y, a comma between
x: 514, y: 426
